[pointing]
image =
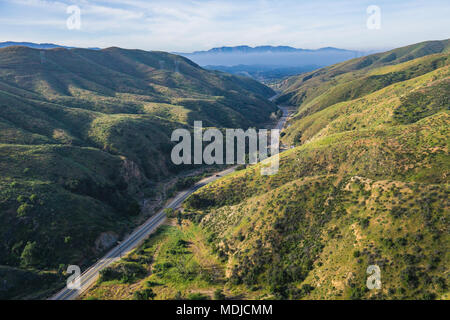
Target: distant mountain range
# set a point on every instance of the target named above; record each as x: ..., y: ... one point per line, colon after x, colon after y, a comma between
x: 271, y: 55
x: 270, y: 63
x: 265, y: 49
x: 36, y: 45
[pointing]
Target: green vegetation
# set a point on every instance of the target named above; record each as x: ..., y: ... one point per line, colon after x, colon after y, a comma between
x: 367, y: 184
x: 146, y: 294
x: 85, y: 135
x: 38, y: 283
x: 124, y: 272
x: 423, y: 103
x: 356, y: 78
x: 177, y: 265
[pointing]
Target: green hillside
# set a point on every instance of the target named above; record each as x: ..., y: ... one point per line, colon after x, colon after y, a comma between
x: 367, y: 184
x: 422, y: 93
x: 352, y: 79
x: 84, y: 135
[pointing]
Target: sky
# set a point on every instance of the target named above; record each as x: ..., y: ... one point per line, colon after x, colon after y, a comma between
x: 192, y: 25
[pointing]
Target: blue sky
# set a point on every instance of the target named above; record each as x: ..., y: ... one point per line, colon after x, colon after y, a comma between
x: 187, y: 25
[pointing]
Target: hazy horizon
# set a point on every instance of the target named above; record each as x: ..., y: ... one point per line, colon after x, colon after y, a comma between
x: 2, y: 41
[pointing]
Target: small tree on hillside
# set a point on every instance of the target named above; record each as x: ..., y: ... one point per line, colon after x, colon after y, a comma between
x: 28, y: 257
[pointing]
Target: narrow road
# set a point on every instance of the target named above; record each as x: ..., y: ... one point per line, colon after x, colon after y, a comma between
x: 283, y: 118
x: 89, y: 277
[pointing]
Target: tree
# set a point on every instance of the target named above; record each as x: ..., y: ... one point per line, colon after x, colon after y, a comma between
x: 28, y: 257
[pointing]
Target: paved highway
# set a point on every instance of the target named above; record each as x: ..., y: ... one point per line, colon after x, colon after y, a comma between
x: 89, y: 277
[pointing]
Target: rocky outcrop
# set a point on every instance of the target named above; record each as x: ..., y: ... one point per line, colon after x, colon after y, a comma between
x: 132, y: 175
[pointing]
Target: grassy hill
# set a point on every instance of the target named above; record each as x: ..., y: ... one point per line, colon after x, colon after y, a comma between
x: 352, y: 79
x: 367, y: 184
x: 85, y: 134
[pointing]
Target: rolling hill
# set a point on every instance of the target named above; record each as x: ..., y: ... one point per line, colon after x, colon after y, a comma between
x: 366, y: 184
x: 335, y: 82
x: 84, y: 135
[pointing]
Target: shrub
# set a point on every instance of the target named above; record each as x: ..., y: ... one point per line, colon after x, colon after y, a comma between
x: 364, y: 223
x: 357, y: 293
x: 33, y: 198
x: 125, y: 272
x: 402, y: 241
x: 218, y: 295
x: 307, y: 288
x: 24, y: 209
x: 151, y: 284
x: 410, y: 278
x: 196, y: 201
x: 182, y: 243
x: 429, y: 296
x: 162, y: 267
x: 146, y: 294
